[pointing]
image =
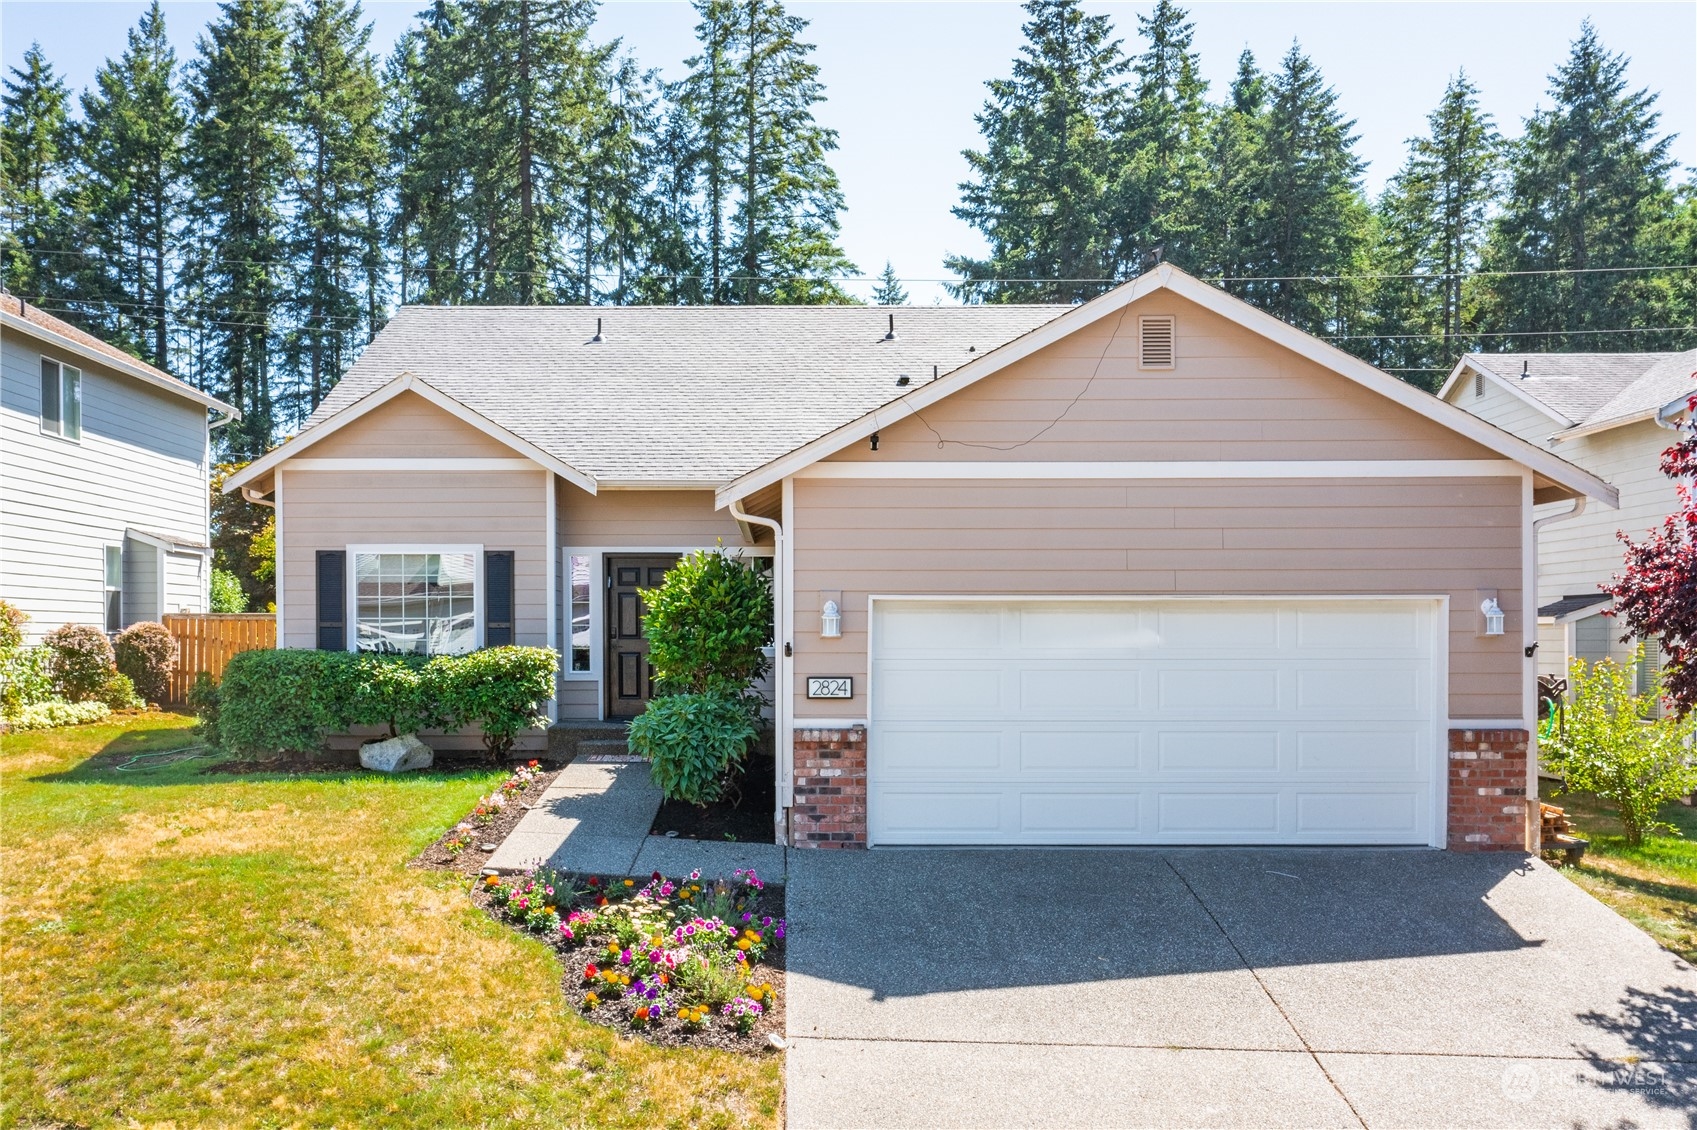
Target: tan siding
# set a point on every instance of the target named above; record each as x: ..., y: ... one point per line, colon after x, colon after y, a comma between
x: 580, y: 698
x: 409, y: 426
x: 1233, y: 395
x: 1428, y: 537
x: 332, y: 510
x: 631, y: 518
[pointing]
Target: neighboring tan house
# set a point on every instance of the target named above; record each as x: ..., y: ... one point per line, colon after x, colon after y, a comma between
x: 104, y: 479
x: 1153, y: 569
x: 1613, y: 414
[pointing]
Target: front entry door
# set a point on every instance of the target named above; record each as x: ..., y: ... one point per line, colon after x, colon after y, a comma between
x: 630, y: 680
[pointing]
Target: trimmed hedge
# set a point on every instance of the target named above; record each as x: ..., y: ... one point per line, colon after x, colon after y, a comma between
x: 288, y: 701
x: 147, y: 654
x: 82, y: 662
x: 695, y: 743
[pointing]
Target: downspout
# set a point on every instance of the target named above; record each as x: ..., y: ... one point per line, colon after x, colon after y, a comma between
x: 783, y: 735
x: 1530, y: 704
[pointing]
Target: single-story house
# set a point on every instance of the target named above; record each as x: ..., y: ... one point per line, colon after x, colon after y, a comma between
x: 1157, y: 568
x: 105, y: 465
x: 1612, y: 414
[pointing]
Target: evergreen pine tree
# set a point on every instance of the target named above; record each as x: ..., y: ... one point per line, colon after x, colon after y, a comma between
x: 616, y: 207
x: 1432, y: 224
x: 427, y: 131
x: 241, y: 160
x: 131, y: 187
x: 889, y: 291
x: 1588, y: 189
x: 334, y: 107
x: 676, y: 272
x: 1042, y: 185
x: 1162, y: 159
x: 36, y: 145
x: 1227, y: 215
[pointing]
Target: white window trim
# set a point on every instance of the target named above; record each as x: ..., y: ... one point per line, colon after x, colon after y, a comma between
x: 598, y: 555
x: 41, y: 412
x: 351, y: 624
x: 106, y: 586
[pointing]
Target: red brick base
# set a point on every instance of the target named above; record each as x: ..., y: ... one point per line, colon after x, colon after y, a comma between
x: 829, y: 810
x: 1487, y: 790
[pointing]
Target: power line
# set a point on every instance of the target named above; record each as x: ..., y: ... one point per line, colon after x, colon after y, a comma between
x: 1508, y: 333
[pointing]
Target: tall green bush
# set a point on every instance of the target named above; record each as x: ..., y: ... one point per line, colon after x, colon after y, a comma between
x: 389, y: 690
x: 81, y: 661
x: 147, y: 653
x: 285, y: 701
x: 1611, y: 744
x: 227, y: 594
x: 695, y: 743
x: 499, y: 689
x: 706, y: 624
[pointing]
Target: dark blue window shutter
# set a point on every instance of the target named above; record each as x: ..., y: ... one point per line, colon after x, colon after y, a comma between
x: 332, y: 600
x: 498, y: 598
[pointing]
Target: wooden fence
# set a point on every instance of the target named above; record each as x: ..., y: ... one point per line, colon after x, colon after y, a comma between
x: 207, y: 640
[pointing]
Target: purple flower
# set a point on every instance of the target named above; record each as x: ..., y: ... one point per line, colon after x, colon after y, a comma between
x: 747, y: 917
x: 624, y: 957
x: 766, y: 921
x: 689, y: 931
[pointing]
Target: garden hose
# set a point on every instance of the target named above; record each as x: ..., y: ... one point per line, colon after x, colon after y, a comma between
x: 130, y: 766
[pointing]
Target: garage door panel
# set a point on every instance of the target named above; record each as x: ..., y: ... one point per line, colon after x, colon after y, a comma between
x: 1155, y: 721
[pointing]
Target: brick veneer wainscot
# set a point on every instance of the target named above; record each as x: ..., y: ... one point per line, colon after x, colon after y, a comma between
x: 1487, y: 790
x: 829, y: 808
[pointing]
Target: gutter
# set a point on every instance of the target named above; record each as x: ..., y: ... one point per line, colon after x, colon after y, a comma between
x: 782, y: 670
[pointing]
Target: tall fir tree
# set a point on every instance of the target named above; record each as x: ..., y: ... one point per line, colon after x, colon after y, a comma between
x: 616, y: 209
x: 1588, y: 189
x: 425, y: 126
x: 335, y: 103
x: 241, y: 160
x: 889, y: 290
x: 130, y: 170
x: 1433, y: 218
x: 36, y: 146
x: 1226, y: 212
x: 1162, y: 145
x: 677, y: 265
x: 1042, y: 185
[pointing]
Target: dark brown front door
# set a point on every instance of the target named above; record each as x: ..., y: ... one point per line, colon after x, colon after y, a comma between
x: 630, y: 680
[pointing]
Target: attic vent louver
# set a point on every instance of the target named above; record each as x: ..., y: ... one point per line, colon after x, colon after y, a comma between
x: 1155, y: 345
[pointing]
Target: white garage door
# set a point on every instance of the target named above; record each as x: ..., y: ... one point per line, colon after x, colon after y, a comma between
x: 1214, y: 721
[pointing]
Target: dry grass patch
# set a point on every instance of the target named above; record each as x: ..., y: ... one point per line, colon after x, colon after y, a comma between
x: 252, y: 950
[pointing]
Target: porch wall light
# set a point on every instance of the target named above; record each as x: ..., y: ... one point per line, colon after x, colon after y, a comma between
x: 831, y: 621
x: 1494, y: 618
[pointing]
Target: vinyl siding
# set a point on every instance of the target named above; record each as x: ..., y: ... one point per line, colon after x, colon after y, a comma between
x: 409, y: 426
x: 185, y: 579
x: 1507, y: 411
x: 141, y: 581
x: 141, y: 464
x: 1231, y: 395
x: 667, y: 519
x: 334, y: 509
x: 1016, y: 537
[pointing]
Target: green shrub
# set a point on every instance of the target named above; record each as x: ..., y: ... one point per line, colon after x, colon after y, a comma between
x: 81, y: 661
x: 1610, y: 744
x: 27, y: 679
x: 227, y: 594
x: 706, y: 624
x: 120, y: 694
x: 695, y: 743
x: 12, y: 621
x: 285, y: 701
x: 52, y: 714
x: 389, y: 690
x: 204, y: 701
x: 497, y: 688
x: 147, y: 653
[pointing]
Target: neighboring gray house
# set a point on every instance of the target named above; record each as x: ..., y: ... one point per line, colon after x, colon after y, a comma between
x: 1612, y: 414
x: 104, y: 467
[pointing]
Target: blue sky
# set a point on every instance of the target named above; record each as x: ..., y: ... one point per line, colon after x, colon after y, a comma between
x: 904, y: 79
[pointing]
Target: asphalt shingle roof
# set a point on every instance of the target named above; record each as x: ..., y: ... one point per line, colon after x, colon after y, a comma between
x: 675, y: 393
x: 1574, y: 385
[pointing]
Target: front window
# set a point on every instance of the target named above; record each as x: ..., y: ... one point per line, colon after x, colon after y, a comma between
x: 61, y: 399
x: 415, y: 603
x: 579, y: 568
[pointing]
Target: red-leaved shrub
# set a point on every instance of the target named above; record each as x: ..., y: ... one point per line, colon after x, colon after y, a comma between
x: 81, y: 661
x: 147, y: 654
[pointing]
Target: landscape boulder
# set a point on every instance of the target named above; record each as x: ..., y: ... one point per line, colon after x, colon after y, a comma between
x: 396, y: 755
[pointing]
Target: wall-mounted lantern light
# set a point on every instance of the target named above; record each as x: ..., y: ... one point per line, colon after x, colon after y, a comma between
x: 831, y: 621
x: 1494, y: 618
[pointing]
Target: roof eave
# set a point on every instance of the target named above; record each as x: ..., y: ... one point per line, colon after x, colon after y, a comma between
x: 1582, y: 430
x: 1466, y: 365
x: 128, y: 368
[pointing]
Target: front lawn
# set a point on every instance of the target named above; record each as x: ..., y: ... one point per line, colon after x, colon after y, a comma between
x: 216, y: 949
x: 1654, y: 886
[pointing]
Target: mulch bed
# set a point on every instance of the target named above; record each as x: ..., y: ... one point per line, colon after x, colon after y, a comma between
x: 717, y: 1032
x: 747, y: 821
x: 469, y: 860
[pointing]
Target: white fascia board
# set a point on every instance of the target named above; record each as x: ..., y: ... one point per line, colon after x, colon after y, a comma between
x: 129, y: 369
x: 165, y: 542
x: 1258, y: 469
x: 1168, y: 277
x: 376, y: 398
x: 1513, y: 388
x: 1607, y: 425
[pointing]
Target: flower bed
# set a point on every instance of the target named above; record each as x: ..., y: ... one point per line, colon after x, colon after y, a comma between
x: 674, y: 961
x: 495, y: 815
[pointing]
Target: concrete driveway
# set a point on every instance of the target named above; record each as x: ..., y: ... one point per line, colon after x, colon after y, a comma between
x: 1225, y: 988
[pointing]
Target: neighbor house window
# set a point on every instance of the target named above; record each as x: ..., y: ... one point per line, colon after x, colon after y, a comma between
x: 114, y: 587
x: 577, y: 570
x: 421, y: 603
x: 61, y: 399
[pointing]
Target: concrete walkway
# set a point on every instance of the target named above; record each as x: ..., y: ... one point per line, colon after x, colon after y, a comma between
x: 595, y: 817
x: 1224, y: 988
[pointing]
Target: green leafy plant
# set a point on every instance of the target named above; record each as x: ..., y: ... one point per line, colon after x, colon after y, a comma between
x: 706, y: 624
x: 81, y: 661
x: 390, y: 690
x: 204, y: 700
x: 498, y: 689
x: 12, y: 621
x: 119, y: 693
x: 51, y: 715
x: 285, y: 701
x: 695, y: 743
x: 28, y: 679
x: 227, y: 594
x: 1612, y: 745
x: 147, y: 653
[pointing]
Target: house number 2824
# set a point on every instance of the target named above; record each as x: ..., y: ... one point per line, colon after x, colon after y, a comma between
x: 830, y: 686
